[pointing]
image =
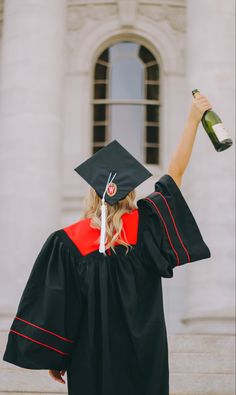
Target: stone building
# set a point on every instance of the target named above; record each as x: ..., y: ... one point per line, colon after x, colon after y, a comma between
x: 64, y: 68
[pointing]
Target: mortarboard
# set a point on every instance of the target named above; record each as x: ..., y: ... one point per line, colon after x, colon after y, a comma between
x: 113, y: 172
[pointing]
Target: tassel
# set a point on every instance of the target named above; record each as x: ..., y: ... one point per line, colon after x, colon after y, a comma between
x: 103, y: 216
x: 103, y: 226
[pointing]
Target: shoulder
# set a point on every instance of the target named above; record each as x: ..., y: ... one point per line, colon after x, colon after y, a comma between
x: 64, y: 239
x: 165, y: 190
x: 78, y: 235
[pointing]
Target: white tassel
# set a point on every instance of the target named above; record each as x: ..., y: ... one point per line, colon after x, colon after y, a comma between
x: 103, y: 226
x: 103, y: 216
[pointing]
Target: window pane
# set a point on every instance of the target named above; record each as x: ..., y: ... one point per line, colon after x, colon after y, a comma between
x: 99, y: 112
x: 146, y: 55
x: 100, y: 72
x: 126, y: 125
x: 152, y: 134
x: 104, y: 56
x: 153, y: 92
x: 152, y: 154
x: 99, y: 91
x: 127, y: 72
x: 99, y: 133
x: 153, y: 73
x: 152, y: 113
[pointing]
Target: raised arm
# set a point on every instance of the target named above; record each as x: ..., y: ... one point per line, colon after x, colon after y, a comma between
x: 180, y: 157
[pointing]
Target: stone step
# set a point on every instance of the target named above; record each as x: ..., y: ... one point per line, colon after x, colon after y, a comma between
x: 202, y: 384
x: 201, y: 343
x: 201, y: 363
x: 16, y: 379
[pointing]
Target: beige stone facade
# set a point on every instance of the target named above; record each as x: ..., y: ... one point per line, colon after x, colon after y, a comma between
x: 48, y: 52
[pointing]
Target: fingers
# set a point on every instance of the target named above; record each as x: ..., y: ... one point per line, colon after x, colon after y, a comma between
x: 56, y: 375
x: 202, y: 103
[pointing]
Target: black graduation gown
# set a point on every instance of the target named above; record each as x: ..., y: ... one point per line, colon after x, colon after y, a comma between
x: 101, y: 317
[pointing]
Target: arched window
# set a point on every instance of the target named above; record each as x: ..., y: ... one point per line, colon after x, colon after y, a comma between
x: 126, y: 100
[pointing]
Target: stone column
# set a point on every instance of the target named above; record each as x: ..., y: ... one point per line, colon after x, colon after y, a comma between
x: 32, y: 87
x: 210, y: 176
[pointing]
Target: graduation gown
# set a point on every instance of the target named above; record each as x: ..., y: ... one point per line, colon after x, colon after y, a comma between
x: 99, y: 317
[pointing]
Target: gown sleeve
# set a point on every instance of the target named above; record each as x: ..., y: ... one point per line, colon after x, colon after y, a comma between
x: 171, y: 236
x: 44, y: 331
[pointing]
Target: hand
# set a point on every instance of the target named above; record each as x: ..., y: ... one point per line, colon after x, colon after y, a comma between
x: 56, y: 375
x: 199, y: 105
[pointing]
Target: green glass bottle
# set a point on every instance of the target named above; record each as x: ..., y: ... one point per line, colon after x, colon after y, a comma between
x: 215, y: 129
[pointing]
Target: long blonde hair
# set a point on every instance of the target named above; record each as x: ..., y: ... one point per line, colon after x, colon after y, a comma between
x: 114, y: 222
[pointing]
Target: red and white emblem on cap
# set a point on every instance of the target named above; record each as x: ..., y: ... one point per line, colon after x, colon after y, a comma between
x: 111, y: 189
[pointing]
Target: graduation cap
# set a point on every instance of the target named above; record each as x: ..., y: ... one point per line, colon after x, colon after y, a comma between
x: 113, y: 172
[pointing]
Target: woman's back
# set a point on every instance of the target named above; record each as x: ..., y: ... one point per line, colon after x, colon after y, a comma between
x: 121, y: 346
x: 100, y: 316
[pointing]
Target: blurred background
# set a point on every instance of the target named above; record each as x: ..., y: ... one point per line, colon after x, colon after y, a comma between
x: 74, y: 76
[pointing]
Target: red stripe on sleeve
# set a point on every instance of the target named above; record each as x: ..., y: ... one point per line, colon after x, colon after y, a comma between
x: 45, y: 330
x: 165, y: 226
x: 176, y: 230
x: 42, y: 344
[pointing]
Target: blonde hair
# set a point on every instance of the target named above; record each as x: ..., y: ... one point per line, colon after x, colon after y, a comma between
x: 114, y: 222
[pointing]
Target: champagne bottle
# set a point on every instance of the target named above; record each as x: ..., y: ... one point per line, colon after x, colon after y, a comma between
x: 215, y: 129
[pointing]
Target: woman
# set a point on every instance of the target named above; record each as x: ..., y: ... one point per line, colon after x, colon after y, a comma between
x: 97, y: 313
